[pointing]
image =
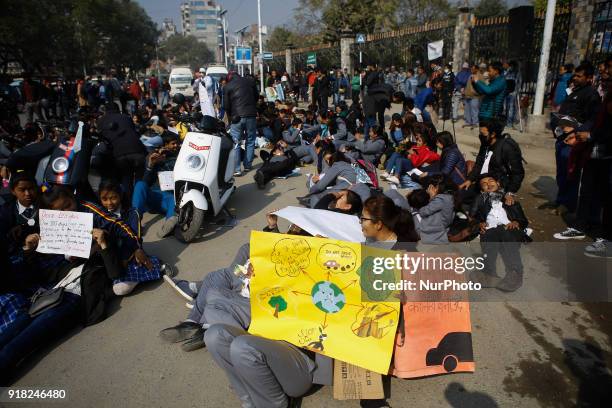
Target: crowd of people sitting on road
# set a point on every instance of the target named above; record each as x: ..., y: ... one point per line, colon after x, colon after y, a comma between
x: 406, y: 181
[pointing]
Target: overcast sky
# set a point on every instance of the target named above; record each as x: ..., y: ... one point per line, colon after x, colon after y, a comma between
x: 240, y: 12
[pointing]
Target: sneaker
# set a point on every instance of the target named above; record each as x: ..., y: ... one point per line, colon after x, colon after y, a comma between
x: 168, y: 227
x: 570, y: 233
x: 188, y: 290
x: 384, y: 175
x: 181, y: 332
x: 237, y: 173
x: 259, y: 179
x: 601, y: 248
x: 168, y: 270
x: 393, y: 180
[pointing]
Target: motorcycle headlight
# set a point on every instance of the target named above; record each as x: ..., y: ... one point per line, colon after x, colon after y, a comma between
x: 60, y: 165
x: 195, y: 162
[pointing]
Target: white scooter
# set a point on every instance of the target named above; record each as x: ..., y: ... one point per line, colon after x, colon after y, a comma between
x: 203, y: 180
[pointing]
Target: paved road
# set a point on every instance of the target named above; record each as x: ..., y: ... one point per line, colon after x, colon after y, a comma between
x: 527, y: 354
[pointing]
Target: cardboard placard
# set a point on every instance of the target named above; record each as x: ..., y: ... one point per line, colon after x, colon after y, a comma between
x: 166, y: 180
x: 352, y: 382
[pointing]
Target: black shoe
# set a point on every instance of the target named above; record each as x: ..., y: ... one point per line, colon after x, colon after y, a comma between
x: 181, y: 332
x: 511, y: 282
x: 259, y: 179
x: 305, y: 201
x: 194, y: 343
x: 485, y: 279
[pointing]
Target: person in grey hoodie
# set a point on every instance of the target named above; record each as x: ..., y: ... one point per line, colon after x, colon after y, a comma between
x: 293, y: 137
x: 433, y: 210
x: 374, y: 147
x: 338, y: 175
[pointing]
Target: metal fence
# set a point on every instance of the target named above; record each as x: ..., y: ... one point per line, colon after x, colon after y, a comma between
x: 327, y: 57
x: 490, y: 40
x: 405, y: 47
x: 600, y: 45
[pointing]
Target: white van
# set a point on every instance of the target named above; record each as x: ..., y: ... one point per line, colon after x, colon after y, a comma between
x: 217, y: 72
x: 180, y: 82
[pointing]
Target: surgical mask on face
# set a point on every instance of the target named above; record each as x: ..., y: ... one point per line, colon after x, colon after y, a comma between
x: 446, y: 70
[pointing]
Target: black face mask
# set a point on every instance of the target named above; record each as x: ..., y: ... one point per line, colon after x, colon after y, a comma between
x: 483, y: 139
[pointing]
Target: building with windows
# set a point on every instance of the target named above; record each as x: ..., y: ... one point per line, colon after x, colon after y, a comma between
x: 168, y: 29
x: 201, y: 19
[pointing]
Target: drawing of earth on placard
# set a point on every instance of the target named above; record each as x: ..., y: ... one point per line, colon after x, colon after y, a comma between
x: 328, y: 297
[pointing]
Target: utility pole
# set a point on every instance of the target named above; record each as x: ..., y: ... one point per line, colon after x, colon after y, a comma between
x: 549, y: 22
x: 223, y: 13
x: 261, y: 50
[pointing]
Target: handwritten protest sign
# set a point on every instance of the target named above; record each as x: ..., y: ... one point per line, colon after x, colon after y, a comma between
x: 65, y: 233
x: 166, y: 180
x: 307, y: 291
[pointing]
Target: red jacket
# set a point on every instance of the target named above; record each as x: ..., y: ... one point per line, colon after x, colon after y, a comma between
x: 422, y: 155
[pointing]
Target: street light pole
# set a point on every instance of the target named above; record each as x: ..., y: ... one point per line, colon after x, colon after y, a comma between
x: 261, y: 78
x: 538, y: 103
x: 224, y: 23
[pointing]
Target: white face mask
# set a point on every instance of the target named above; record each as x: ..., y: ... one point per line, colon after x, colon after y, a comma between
x: 446, y: 70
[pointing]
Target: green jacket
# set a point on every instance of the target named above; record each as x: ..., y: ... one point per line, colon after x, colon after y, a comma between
x: 492, y: 105
x: 355, y: 83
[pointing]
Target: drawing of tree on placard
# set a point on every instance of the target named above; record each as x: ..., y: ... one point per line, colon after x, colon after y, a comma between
x: 278, y: 303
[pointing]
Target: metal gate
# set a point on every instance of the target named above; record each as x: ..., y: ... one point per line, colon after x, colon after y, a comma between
x: 600, y: 45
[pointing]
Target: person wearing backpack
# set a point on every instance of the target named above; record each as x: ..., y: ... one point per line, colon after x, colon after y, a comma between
x: 500, y: 156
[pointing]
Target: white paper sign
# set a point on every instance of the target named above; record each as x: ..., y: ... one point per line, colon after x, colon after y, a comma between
x: 166, y: 180
x: 65, y: 233
x: 434, y: 50
x: 324, y: 223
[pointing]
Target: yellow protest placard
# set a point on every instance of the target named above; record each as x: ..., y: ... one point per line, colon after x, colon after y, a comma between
x: 307, y: 291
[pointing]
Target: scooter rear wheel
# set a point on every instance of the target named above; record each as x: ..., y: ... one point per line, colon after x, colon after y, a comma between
x: 190, y: 221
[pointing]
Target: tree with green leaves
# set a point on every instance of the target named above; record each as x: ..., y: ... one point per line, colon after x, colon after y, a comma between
x: 72, y: 36
x: 186, y: 50
x: 330, y: 17
x: 540, y: 5
x: 415, y: 12
x: 491, y: 8
x: 278, y: 303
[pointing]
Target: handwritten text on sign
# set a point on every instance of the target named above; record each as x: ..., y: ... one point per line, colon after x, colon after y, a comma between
x: 65, y: 233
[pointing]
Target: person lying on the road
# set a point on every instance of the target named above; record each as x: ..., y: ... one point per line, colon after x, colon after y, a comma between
x: 280, y: 162
x: 502, y: 229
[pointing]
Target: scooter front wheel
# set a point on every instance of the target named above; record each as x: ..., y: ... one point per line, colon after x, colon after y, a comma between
x: 190, y: 221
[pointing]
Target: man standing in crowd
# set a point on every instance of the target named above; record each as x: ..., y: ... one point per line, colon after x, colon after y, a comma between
x: 472, y: 99
x: 204, y: 87
x: 589, y: 143
x: 461, y: 80
x: 240, y: 98
x: 323, y: 90
x: 30, y: 92
x: 421, y: 79
x: 492, y: 106
x: 513, y: 87
x: 154, y: 88
x: 129, y: 153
